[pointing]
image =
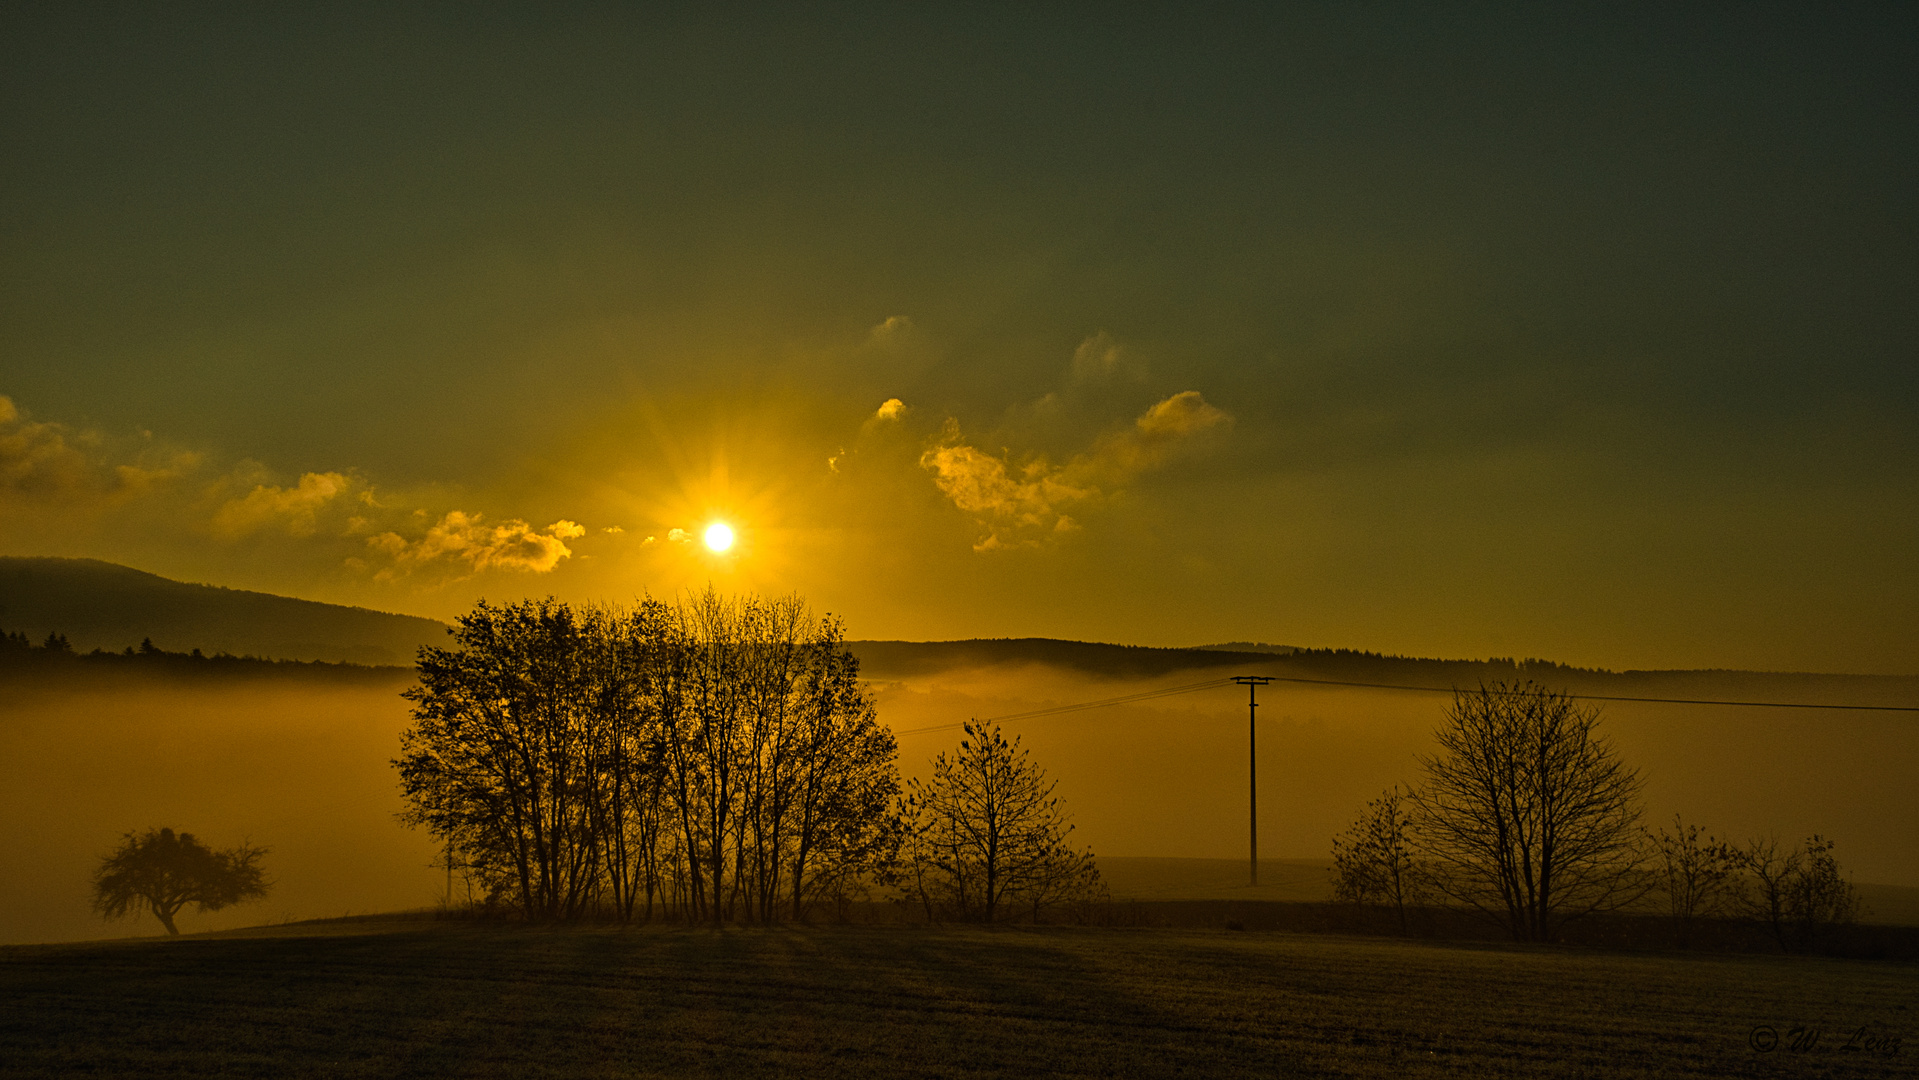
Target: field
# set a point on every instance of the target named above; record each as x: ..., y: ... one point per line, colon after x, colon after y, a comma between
x: 422, y: 998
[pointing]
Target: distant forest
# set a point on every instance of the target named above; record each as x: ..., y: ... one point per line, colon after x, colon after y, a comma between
x: 19, y: 654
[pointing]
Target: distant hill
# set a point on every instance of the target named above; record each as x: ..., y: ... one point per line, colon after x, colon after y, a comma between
x: 106, y: 606
x: 907, y: 659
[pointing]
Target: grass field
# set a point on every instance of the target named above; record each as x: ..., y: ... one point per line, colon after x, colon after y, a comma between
x: 424, y: 998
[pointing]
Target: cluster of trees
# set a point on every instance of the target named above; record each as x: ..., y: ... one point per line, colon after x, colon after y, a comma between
x: 1528, y: 815
x: 162, y: 871
x: 715, y: 759
x: 56, y: 652
x: 1797, y: 893
x: 17, y: 641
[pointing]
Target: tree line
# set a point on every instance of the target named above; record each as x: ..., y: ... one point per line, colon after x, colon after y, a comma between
x: 715, y: 759
x: 1528, y: 816
x: 56, y: 652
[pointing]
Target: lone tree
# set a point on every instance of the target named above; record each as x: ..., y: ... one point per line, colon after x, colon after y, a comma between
x: 163, y: 871
x: 1373, y: 860
x: 1527, y: 814
x: 986, y: 831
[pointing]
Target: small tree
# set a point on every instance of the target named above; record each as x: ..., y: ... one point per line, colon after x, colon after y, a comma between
x: 1770, y: 872
x: 1819, y: 898
x: 163, y: 871
x: 986, y: 830
x: 1527, y: 814
x: 1799, y: 894
x: 1698, y: 873
x: 1373, y: 860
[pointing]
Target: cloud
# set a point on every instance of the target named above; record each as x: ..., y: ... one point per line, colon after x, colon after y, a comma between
x: 1099, y: 359
x: 890, y: 415
x: 293, y: 510
x: 985, y: 486
x: 680, y: 536
x: 465, y: 542
x: 51, y: 464
x: 896, y: 329
x: 1161, y: 431
x: 1018, y: 505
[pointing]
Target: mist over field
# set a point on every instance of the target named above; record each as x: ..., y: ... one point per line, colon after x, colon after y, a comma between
x: 1168, y: 777
x: 298, y: 761
x: 297, y: 765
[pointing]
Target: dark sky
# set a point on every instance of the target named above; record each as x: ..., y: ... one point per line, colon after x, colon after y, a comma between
x: 1481, y: 331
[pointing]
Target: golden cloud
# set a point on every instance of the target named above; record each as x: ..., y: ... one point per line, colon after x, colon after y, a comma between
x: 293, y: 510
x: 465, y: 542
x: 1018, y: 505
x: 50, y: 464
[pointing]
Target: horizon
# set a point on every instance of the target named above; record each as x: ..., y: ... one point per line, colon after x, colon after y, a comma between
x: 1252, y: 647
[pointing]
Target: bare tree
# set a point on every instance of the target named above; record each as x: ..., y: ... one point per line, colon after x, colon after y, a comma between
x: 1770, y: 871
x: 1820, y: 898
x: 1373, y: 860
x: 1698, y: 873
x: 1798, y: 893
x: 986, y: 829
x: 163, y: 871
x: 1527, y: 814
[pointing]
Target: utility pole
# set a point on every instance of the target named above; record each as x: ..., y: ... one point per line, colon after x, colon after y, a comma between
x: 1252, y: 683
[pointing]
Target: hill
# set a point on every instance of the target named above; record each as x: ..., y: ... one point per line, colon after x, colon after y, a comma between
x: 106, y: 606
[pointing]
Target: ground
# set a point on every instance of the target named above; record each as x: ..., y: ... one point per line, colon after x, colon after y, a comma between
x: 423, y: 998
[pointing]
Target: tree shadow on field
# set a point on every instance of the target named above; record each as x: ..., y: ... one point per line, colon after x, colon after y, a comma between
x: 1011, y: 1000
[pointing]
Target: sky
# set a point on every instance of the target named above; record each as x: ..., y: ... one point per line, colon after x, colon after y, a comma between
x: 1492, y: 330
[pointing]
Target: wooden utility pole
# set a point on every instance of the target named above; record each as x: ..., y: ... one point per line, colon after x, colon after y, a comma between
x: 1252, y: 683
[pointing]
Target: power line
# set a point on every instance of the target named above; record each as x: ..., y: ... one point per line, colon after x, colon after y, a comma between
x: 1190, y: 688
x: 1615, y: 697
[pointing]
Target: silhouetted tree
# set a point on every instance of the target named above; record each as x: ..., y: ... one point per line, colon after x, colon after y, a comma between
x: 163, y: 871
x: 1698, y: 873
x: 1373, y: 860
x: 1797, y: 893
x: 1819, y: 897
x: 1526, y: 813
x: 986, y: 829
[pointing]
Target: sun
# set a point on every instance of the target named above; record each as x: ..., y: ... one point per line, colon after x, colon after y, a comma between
x: 719, y: 536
